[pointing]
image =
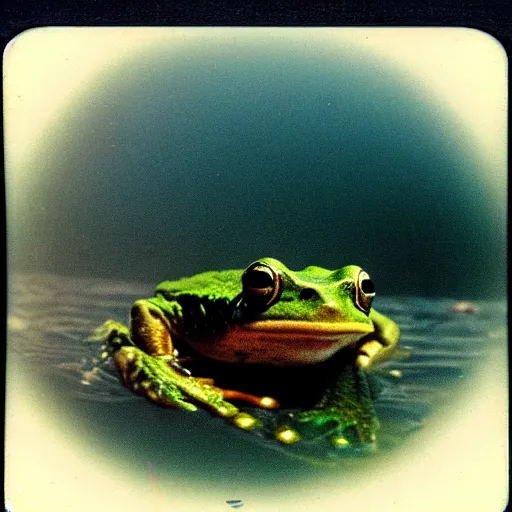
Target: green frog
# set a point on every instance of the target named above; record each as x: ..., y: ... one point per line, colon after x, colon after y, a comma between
x: 307, y: 337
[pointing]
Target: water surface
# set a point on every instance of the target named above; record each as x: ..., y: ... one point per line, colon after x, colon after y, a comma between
x: 50, y: 317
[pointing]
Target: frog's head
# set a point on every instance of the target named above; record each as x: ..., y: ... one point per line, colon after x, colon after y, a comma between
x: 275, y: 295
x: 303, y: 317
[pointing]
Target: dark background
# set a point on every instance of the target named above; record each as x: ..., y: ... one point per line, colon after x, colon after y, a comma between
x: 210, y: 156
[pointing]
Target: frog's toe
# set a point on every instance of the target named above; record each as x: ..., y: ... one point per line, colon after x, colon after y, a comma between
x: 349, y: 436
x: 307, y: 426
x: 246, y: 421
x: 264, y: 402
x: 287, y: 435
x: 340, y: 441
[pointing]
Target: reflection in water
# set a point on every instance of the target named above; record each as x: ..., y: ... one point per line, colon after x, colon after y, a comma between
x: 50, y: 317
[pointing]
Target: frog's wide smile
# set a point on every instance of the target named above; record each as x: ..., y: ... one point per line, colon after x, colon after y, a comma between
x: 283, y: 342
x: 306, y: 328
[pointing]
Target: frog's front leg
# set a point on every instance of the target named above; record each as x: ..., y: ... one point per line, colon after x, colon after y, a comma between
x: 378, y: 345
x: 151, y: 332
x: 144, y: 357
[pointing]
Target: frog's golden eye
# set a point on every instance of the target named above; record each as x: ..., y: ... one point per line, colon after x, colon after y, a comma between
x: 261, y: 285
x: 365, y: 292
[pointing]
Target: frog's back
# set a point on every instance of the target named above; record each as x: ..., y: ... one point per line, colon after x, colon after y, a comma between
x: 224, y: 284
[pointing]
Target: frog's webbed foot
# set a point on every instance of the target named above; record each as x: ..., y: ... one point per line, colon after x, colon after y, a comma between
x: 155, y: 379
x: 333, y: 424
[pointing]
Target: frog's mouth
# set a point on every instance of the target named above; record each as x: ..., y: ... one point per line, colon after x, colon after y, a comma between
x: 294, y: 328
x: 284, y: 342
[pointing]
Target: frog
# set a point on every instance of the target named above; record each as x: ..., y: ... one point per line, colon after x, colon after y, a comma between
x: 262, y: 321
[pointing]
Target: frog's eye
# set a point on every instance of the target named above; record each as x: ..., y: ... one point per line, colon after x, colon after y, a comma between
x: 365, y: 292
x: 261, y: 285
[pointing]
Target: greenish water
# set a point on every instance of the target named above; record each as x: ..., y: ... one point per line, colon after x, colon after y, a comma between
x: 50, y: 317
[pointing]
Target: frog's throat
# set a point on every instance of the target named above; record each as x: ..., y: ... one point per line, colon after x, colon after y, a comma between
x: 305, y: 328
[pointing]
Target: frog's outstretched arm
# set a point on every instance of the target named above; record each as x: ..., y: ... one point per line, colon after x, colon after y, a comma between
x: 158, y: 378
x: 378, y: 345
x: 145, y: 358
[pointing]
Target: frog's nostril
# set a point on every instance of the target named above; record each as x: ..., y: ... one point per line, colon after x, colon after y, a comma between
x: 308, y: 294
x: 329, y: 311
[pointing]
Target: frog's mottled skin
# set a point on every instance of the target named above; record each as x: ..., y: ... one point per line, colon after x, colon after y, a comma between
x: 314, y: 327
